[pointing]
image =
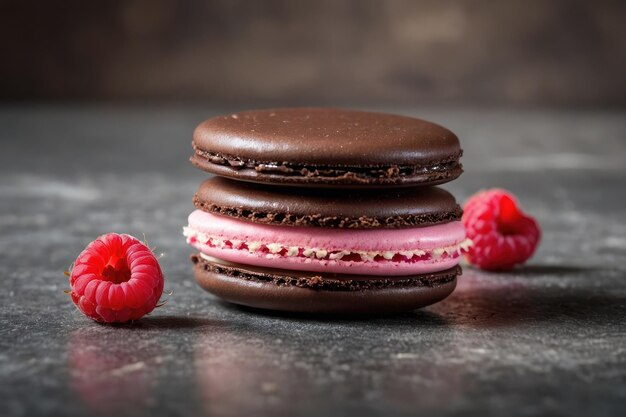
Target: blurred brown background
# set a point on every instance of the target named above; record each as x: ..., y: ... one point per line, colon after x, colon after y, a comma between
x: 318, y: 52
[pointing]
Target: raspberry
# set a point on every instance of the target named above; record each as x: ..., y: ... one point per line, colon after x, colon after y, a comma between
x: 116, y: 279
x: 502, y: 234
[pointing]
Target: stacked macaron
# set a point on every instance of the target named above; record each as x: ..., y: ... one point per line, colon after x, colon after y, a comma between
x: 326, y: 211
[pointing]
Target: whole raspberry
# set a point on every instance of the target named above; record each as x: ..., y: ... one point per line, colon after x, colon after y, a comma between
x: 502, y: 234
x: 116, y: 279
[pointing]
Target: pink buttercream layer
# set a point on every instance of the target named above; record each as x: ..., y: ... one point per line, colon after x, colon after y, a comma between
x: 424, y: 238
x: 373, y: 240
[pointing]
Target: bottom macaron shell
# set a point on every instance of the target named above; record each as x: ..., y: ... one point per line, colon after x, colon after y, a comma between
x: 298, y: 292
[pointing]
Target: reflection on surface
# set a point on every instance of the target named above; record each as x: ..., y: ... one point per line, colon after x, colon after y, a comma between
x: 469, y: 351
x: 238, y: 374
x: 529, y: 296
x: 110, y: 376
x: 143, y: 368
x: 290, y: 365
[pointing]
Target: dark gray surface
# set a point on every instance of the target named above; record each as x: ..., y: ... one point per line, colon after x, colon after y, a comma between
x: 547, y: 339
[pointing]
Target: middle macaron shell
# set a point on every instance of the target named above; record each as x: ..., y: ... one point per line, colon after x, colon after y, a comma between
x: 397, y: 232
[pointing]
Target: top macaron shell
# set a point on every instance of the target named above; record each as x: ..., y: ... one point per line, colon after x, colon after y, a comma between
x: 327, y: 148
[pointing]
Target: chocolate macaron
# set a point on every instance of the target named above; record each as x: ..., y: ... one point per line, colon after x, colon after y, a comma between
x: 325, y: 250
x: 323, y: 147
x: 326, y: 211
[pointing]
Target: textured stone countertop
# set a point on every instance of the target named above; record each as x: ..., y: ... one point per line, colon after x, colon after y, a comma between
x: 549, y: 338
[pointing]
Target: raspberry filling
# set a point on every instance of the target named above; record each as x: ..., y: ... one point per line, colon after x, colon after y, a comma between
x: 380, y: 252
x: 275, y: 250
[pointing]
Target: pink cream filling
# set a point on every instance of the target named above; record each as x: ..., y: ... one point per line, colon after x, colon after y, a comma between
x: 389, y: 252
